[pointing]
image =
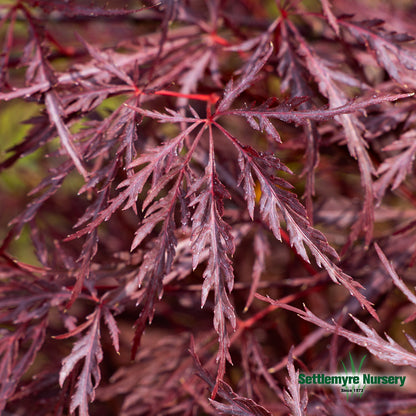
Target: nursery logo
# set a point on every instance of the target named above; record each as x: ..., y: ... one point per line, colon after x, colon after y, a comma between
x: 352, y: 389
x: 352, y: 381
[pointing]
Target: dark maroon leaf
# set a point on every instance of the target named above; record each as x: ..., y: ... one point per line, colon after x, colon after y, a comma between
x: 295, y: 399
x: 88, y: 349
x: 153, y: 158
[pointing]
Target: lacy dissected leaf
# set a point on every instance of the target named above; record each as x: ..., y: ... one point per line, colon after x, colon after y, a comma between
x: 389, y: 350
x: 285, y: 111
x: 90, y: 245
x: 112, y: 328
x: 394, y: 169
x: 158, y: 261
x: 73, y: 10
x: 40, y: 71
x: 88, y: 96
x: 295, y: 400
x: 55, y: 112
x: 210, y: 230
x: 332, y: 20
x: 40, y: 133
x: 396, y: 279
x: 189, y: 80
x: 87, y: 349
x: 261, y: 250
x: 236, y: 405
x: 278, y: 204
x: 105, y: 62
x: 27, y: 301
x: 386, y: 46
x: 294, y: 78
x: 248, y: 76
x: 290, y: 68
x: 4, y: 61
x: 89, y: 250
x: 259, y: 359
x: 13, y: 361
x: 157, y: 162
x: 144, y: 52
x: 49, y: 186
x: 169, y: 371
x: 353, y: 131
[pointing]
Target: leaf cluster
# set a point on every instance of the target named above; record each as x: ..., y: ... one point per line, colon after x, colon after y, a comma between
x: 218, y: 182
